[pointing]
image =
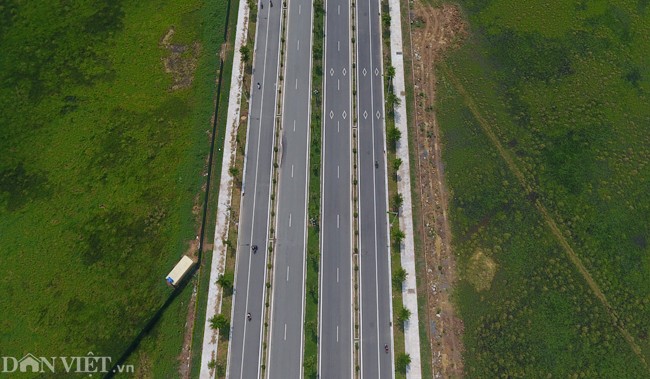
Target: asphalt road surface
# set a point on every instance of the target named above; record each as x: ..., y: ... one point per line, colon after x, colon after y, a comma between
x: 336, y: 353
x: 287, y: 312
x: 245, y: 350
x: 376, y: 329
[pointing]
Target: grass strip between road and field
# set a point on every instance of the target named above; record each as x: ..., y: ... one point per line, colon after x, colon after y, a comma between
x: 310, y: 363
x: 236, y: 169
x: 203, y: 276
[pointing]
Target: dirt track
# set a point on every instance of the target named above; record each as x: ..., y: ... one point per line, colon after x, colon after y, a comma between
x: 432, y: 31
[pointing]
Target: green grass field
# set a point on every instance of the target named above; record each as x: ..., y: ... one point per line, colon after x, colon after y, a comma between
x: 563, y: 88
x: 101, y: 164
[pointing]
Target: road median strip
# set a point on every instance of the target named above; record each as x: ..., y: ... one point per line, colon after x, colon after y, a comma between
x: 310, y: 361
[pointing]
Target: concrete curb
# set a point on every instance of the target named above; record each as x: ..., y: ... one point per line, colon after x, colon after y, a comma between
x: 210, y: 336
x: 407, y: 248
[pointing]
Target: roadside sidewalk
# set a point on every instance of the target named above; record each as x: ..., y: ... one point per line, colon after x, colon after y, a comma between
x: 210, y: 336
x: 407, y: 248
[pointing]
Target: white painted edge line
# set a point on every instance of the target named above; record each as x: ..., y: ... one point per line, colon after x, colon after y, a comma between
x: 407, y: 255
x: 211, y: 337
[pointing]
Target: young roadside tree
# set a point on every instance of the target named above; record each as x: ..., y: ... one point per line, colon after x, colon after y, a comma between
x: 398, y: 236
x: 399, y: 276
x: 403, y: 314
x: 226, y: 281
x: 390, y: 72
x: 392, y: 101
x: 385, y: 20
x: 220, y: 322
x: 397, y: 163
x: 398, y: 201
x: 392, y: 136
x: 401, y: 362
x: 245, y: 52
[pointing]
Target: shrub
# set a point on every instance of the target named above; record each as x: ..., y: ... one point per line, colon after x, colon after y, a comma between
x: 401, y: 362
x: 399, y: 276
x: 220, y: 322
x: 403, y: 314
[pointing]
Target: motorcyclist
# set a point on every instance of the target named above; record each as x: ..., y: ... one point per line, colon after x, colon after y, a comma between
x: 249, y: 317
x: 254, y: 249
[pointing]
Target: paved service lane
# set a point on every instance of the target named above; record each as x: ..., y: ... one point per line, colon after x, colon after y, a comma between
x: 376, y: 330
x: 287, y: 312
x: 336, y: 353
x: 245, y: 349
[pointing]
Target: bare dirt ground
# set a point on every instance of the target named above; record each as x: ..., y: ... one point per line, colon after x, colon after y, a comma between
x: 433, y: 31
x: 181, y: 61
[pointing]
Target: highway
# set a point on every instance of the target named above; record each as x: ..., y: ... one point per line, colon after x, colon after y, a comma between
x: 245, y: 346
x: 335, y: 347
x: 374, y: 267
x: 285, y: 355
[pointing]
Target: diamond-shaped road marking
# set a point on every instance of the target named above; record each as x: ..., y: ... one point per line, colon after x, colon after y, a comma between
x: 378, y: 114
x: 365, y: 114
x: 344, y: 115
x: 331, y: 72
x: 376, y: 71
x: 364, y: 72
x: 331, y: 114
x: 344, y: 72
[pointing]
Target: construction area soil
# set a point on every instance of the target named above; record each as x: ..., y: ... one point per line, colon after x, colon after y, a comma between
x: 434, y: 30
